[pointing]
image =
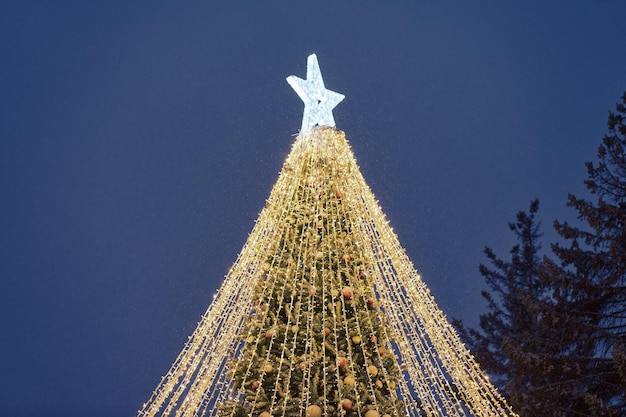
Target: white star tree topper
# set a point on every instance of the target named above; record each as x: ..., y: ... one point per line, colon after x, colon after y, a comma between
x: 319, y: 102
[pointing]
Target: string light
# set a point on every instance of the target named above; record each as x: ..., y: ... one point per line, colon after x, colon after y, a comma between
x: 438, y: 374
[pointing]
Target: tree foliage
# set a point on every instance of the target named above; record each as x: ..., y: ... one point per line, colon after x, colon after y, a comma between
x: 592, y: 272
x: 512, y: 344
x: 554, y: 337
x: 317, y: 339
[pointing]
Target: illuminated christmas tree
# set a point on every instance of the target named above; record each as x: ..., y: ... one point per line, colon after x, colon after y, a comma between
x: 322, y: 313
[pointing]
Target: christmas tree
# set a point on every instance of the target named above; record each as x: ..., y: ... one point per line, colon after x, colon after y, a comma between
x: 322, y: 313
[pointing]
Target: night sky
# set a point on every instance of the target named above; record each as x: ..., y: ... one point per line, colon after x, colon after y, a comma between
x: 139, y: 141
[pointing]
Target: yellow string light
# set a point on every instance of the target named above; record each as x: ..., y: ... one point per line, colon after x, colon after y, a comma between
x: 435, y: 366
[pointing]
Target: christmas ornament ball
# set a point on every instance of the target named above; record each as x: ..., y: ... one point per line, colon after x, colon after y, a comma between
x: 349, y: 381
x: 372, y: 413
x: 346, y: 292
x: 265, y: 414
x: 269, y: 368
x: 326, y: 331
x: 313, y: 411
x: 356, y: 339
x: 372, y: 370
x: 346, y: 404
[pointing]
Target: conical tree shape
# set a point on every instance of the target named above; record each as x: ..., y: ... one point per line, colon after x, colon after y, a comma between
x: 324, y: 314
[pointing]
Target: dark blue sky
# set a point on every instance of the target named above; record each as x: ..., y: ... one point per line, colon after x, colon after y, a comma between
x: 138, y: 143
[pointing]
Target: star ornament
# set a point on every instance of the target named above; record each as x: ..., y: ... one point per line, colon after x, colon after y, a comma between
x: 318, y: 101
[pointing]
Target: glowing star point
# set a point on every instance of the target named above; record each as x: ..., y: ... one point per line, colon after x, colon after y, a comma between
x: 319, y: 102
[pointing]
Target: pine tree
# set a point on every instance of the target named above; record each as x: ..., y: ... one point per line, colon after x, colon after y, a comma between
x: 555, y: 335
x: 513, y: 343
x: 592, y: 276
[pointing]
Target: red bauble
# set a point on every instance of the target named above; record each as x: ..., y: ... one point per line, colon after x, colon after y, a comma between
x: 382, y: 351
x: 346, y: 404
x: 326, y: 331
x: 342, y: 362
x: 370, y: 301
x: 269, y: 335
x: 346, y: 292
x: 338, y: 194
x: 361, y: 274
x: 255, y: 385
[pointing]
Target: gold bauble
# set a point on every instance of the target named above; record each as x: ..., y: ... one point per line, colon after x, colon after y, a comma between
x: 349, y: 381
x: 313, y: 411
x: 372, y: 413
x: 372, y: 370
